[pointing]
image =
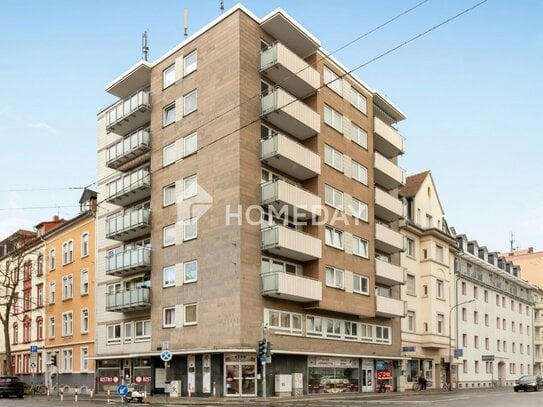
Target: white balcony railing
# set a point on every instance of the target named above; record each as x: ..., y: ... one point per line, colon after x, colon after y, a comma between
x: 130, y: 188
x: 128, y: 114
x: 290, y: 243
x: 129, y: 261
x: 129, y: 300
x: 130, y: 147
x: 291, y: 287
x: 130, y: 224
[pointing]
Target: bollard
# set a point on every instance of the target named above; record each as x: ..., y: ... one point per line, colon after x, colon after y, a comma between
x: 190, y: 391
x: 62, y: 393
x: 108, y: 395
x: 145, y: 392
x: 91, y: 394
x: 214, y: 390
x: 48, y: 394
x: 75, y: 397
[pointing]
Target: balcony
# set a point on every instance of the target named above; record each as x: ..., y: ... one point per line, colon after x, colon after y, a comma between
x: 129, y: 148
x: 130, y: 188
x: 387, y: 174
x: 387, y: 207
x: 128, y: 114
x: 129, y: 262
x: 389, y: 274
x: 297, y: 202
x: 129, y: 225
x: 387, y: 140
x: 288, y: 70
x: 129, y: 300
x: 387, y: 240
x: 390, y: 307
x: 538, y: 323
x: 290, y: 157
x: 289, y: 114
x: 290, y: 287
x: 282, y: 241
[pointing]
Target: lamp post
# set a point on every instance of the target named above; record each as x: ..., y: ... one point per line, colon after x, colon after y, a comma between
x: 450, y: 339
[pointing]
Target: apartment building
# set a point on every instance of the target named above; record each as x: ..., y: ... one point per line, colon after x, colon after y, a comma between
x: 495, y: 317
x: 69, y: 303
x: 429, y: 290
x: 537, y: 295
x: 23, y: 255
x: 261, y: 181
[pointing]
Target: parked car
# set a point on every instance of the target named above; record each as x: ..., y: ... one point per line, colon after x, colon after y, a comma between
x: 11, y: 386
x: 528, y: 382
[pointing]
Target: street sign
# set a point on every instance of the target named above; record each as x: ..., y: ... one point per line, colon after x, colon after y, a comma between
x: 408, y: 349
x: 166, y: 356
x: 33, y: 365
x: 122, y: 390
x: 33, y: 349
x: 137, y: 379
x: 165, y: 345
x: 459, y: 353
x: 487, y: 358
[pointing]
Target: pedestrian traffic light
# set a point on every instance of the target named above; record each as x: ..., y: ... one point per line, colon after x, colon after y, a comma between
x: 53, y: 360
x: 268, y: 349
x: 261, y: 348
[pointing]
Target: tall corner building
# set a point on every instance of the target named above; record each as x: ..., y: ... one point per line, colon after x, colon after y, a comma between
x: 247, y: 186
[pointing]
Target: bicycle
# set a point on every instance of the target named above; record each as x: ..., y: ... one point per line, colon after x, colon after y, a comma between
x: 446, y: 386
x: 416, y: 386
x: 38, y: 389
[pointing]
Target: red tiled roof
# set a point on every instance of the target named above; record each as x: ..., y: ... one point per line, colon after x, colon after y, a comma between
x: 413, y: 184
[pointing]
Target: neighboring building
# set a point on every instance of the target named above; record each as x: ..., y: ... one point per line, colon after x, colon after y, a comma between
x: 70, y: 300
x: 531, y: 263
x: 538, y: 330
x: 190, y: 139
x: 429, y: 290
x: 498, y: 323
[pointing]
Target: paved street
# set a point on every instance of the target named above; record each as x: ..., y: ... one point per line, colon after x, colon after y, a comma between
x: 483, y: 398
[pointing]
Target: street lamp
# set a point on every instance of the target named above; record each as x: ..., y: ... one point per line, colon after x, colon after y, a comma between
x: 450, y: 339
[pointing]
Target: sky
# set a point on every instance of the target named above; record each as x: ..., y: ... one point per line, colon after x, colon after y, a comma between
x: 471, y: 91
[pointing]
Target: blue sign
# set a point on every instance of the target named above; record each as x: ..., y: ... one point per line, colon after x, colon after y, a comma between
x: 122, y: 390
x: 166, y: 356
x: 408, y: 349
x: 459, y: 353
x: 33, y: 349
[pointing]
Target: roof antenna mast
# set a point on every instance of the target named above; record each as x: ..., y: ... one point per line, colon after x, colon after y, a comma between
x: 186, y: 22
x: 144, y: 46
x: 512, y: 242
x: 222, y: 6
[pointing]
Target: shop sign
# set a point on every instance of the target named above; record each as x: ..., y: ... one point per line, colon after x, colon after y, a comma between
x: 235, y: 357
x: 142, y: 379
x: 329, y: 361
x: 384, y: 374
x: 108, y: 379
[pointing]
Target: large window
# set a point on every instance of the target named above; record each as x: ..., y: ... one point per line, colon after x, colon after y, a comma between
x: 359, y: 135
x: 67, y: 323
x: 358, y: 100
x: 84, y: 244
x: 359, y: 209
x: 359, y: 173
x: 190, y: 271
x: 190, y: 144
x: 360, y: 247
x: 168, y: 154
x: 190, y: 187
x: 169, y: 114
x: 67, y: 360
x: 67, y: 287
x: 333, y: 81
x: 190, y: 102
x: 270, y: 265
x: 285, y: 322
x: 191, y: 314
x: 143, y: 330
x: 190, y: 63
x: 333, y: 118
x: 360, y: 284
x: 335, y: 277
x: 190, y: 229
x: 333, y: 158
x: 333, y: 237
x: 168, y: 235
x: 333, y: 197
x: 168, y: 76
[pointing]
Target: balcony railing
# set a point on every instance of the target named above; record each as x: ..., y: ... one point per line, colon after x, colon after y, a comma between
x: 290, y: 243
x: 390, y: 307
x: 130, y: 188
x: 387, y: 174
x: 129, y: 148
x: 387, y: 207
x: 387, y: 240
x: 129, y: 225
x: 290, y: 157
x: 129, y: 300
x: 284, y: 67
x: 129, y: 261
x: 290, y: 287
x: 289, y: 114
x: 296, y: 201
x: 387, y: 140
x: 389, y: 274
x: 128, y: 114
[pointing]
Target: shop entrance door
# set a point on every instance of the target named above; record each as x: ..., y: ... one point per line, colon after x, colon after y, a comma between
x: 240, y: 379
x: 367, y: 376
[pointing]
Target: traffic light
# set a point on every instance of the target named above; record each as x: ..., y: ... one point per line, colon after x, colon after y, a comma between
x: 268, y: 349
x: 261, y: 350
x: 53, y: 360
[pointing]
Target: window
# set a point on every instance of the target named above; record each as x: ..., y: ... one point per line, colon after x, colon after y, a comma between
x: 439, y: 254
x: 333, y: 118
x: 465, y: 366
x: 439, y: 289
x: 168, y: 235
x: 360, y: 247
x: 382, y: 334
x: 499, y: 345
x: 429, y: 221
x: 39, y: 295
x: 143, y: 330
x: 27, y: 330
x: 512, y: 326
x: 476, y: 366
x: 487, y: 343
x: 168, y: 193
x: 85, y: 245
x: 313, y: 325
x: 333, y: 81
x: 39, y: 271
x: 486, y: 320
x: 67, y: 324
x: 359, y: 173
x: 168, y: 114
x: 411, y: 321
x: 273, y: 265
x: 168, y: 154
x: 350, y: 330
x: 464, y: 288
x: 191, y: 314
x: 486, y: 296
x: 26, y: 299
x: 190, y: 144
x: 333, y: 197
x: 127, y: 332
x: 440, y: 323
x: 114, y: 334
x: 358, y: 100
x: 67, y: 360
x: 52, y: 259
x: 168, y: 317
x: 359, y: 209
x: 409, y: 247
x: 333, y: 158
x: 190, y: 63
x: 410, y: 285
x: 190, y: 187
x: 335, y: 277
x: 359, y: 135
x: 67, y: 252
x: 286, y: 322
x: 464, y: 314
x: 51, y: 327
x: 39, y: 328
x: 168, y: 273
x: 476, y: 342
x: 84, y: 282
x: 84, y: 360
x: 465, y: 340
x: 168, y: 76
x: 360, y: 284
x: 475, y: 292
x: 84, y: 321
x: 67, y: 287
x: 498, y: 323
x: 190, y: 102
x: 504, y: 324
x: 190, y: 271
x: 333, y: 237
x: 190, y: 229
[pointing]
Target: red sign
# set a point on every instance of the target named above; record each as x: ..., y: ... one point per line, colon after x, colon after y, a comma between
x: 146, y: 379
x: 115, y: 379
x: 384, y: 374
x: 108, y: 379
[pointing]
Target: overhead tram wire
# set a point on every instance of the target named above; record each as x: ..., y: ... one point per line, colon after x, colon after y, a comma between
x: 376, y: 58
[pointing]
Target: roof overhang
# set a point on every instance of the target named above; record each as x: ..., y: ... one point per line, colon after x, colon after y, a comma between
x: 136, y: 77
x: 388, y: 107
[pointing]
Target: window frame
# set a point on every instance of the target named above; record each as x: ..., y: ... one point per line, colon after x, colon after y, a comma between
x: 362, y: 243
x: 186, y: 71
x: 336, y: 195
x: 188, y: 222
x: 186, y: 139
x: 166, y: 151
x: 360, y: 133
x: 334, y: 155
x: 186, y: 180
x: 168, y: 283
x: 360, y: 205
x: 167, y: 81
x: 168, y: 110
x: 185, y: 307
x: 330, y: 231
x: 85, y: 244
x: 186, y: 97
x: 333, y: 118
x: 167, y: 190
x: 337, y: 278
x: 355, y: 174
x: 356, y: 97
x: 172, y: 239
x: 192, y: 280
x: 84, y: 283
x: 165, y: 311
x: 367, y: 284
x: 332, y: 81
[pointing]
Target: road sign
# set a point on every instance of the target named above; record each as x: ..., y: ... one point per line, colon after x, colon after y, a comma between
x: 33, y: 349
x: 408, y: 349
x: 33, y: 365
x: 166, y: 355
x: 459, y: 353
x: 122, y: 390
x: 138, y: 379
x: 487, y: 358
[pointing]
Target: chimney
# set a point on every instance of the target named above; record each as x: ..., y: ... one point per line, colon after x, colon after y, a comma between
x: 530, y: 249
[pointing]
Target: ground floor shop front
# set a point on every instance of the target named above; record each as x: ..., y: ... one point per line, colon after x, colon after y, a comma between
x: 240, y: 374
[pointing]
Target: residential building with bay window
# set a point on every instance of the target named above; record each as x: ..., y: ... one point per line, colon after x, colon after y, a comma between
x: 261, y: 180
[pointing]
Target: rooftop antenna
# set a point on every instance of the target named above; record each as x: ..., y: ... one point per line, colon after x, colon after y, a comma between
x: 186, y: 22
x: 512, y: 242
x: 222, y: 6
x: 144, y: 46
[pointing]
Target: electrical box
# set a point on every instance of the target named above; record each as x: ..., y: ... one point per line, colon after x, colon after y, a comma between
x: 297, y: 384
x: 283, y: 385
